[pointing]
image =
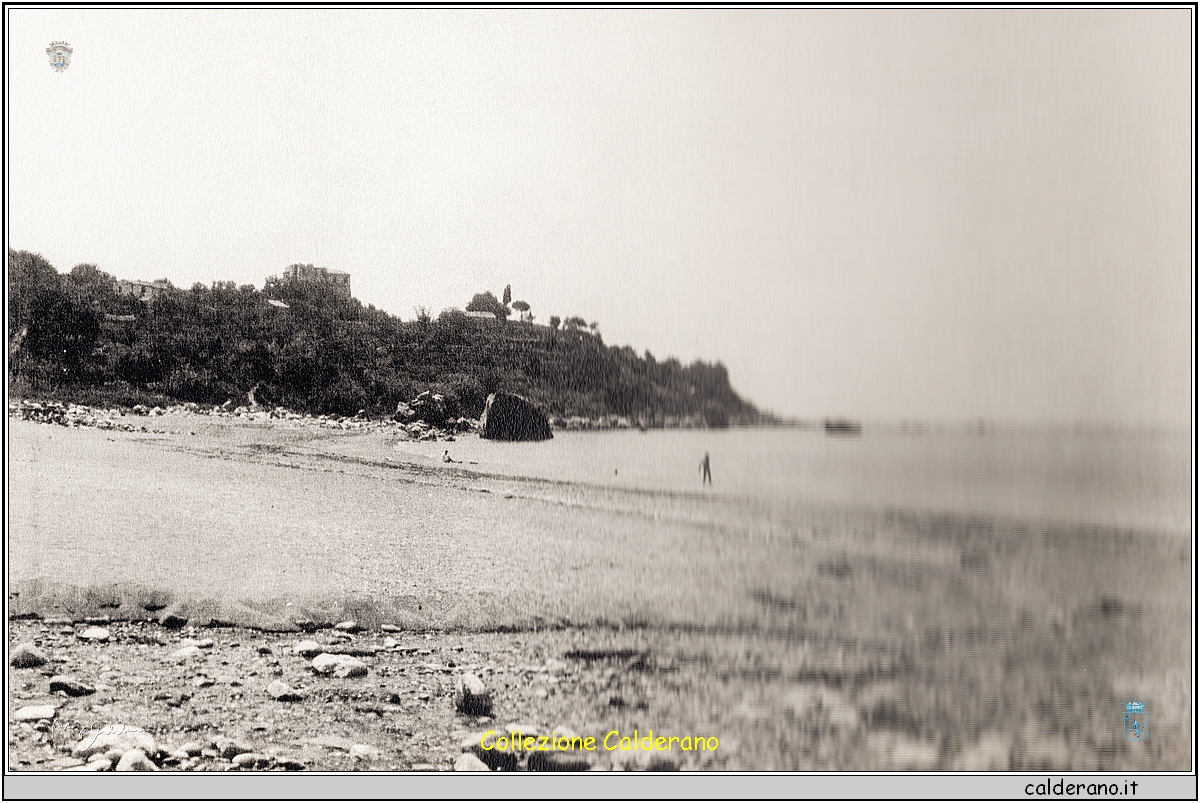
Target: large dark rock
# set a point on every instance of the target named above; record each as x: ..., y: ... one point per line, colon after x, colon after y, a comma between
x: 430, y: 408
x: 511, y: 418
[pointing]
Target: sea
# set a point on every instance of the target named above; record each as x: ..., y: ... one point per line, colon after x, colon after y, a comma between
x: 1136, y: 478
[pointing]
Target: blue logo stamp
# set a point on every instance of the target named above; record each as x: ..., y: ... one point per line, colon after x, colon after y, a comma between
x: 1137, y: 725
x: 60, y: 55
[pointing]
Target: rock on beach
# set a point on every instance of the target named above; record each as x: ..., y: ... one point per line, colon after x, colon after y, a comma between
x: 71, y: 686
x: 511, y: 418
x: 471, y: 696
x: 340, y: 666
x: 231, y: 749
x: 186, y: 653
x: 32, y: 713
x: 365, y: 752
x: 25, y: 656
x: 116, y: 737
x: 308, y: 649
x: 283, y: 692
x: 251, y: 760
x: 135, y: 761
x: 467, y: 762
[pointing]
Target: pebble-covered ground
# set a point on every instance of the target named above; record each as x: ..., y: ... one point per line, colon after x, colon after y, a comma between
x: 91, y: 696
x: 795, y: 637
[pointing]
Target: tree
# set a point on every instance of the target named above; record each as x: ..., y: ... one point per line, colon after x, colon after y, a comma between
x: 88, y: 284
x: 29, y: 275
x: 574, y: 322
x: 61, y: 332
x: 486, y: 302
x: 555, y: 321
x: 507, y: 294
x: 520, y: 306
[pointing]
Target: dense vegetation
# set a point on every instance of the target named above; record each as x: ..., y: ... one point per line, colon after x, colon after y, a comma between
x: 74, y: 336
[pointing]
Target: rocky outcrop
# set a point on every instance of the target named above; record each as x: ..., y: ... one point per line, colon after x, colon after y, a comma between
x: 430, y: 408
x: 512, y: 418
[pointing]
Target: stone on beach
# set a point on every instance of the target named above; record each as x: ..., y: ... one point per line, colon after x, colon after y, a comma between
x: 231, y: 748
x: 283, y: 692
x: 186, y: 653
x: 71, y: 686
x: 117, y: 737
x: 340, y: 666
x: 365, y: 752
x: 204, y: 643
x: 251, y: 760
x: 505, y: 760
x: 468, y: 762
x: 32, y: 713
x: 349, y: 626
x: 135, y: 761
x: 94, y: 634
x: 471, y: 696
x: 308, y: 649
x: 25, y: 656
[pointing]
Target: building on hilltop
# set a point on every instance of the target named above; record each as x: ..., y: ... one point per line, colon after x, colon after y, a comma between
x: 336, y: 280
x: 142, y: 291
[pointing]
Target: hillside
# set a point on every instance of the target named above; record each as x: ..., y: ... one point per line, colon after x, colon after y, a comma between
x: 75, y: 336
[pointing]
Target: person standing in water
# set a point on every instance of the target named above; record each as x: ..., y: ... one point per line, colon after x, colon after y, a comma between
x: 706, y: 470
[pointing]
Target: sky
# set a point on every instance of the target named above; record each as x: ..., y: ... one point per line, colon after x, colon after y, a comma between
x: 892, y: 214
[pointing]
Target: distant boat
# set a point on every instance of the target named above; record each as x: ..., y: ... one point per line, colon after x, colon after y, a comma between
x: 842, y: 426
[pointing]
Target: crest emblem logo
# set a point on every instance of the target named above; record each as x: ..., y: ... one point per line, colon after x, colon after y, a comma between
x: 60, y: 55
x: 1137, y: 725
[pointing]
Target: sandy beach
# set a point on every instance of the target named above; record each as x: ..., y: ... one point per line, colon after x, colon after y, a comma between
x: 803, y: 636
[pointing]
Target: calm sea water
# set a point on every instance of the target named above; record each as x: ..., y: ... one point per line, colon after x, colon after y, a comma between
x: 1138, y: 478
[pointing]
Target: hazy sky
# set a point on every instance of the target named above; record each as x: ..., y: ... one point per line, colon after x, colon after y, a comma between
x: 935, y: 214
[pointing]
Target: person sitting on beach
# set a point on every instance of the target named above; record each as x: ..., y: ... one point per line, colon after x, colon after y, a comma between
x: 446, y: 457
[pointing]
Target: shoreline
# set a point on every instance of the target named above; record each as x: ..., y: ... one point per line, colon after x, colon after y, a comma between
x: 867, y: 639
